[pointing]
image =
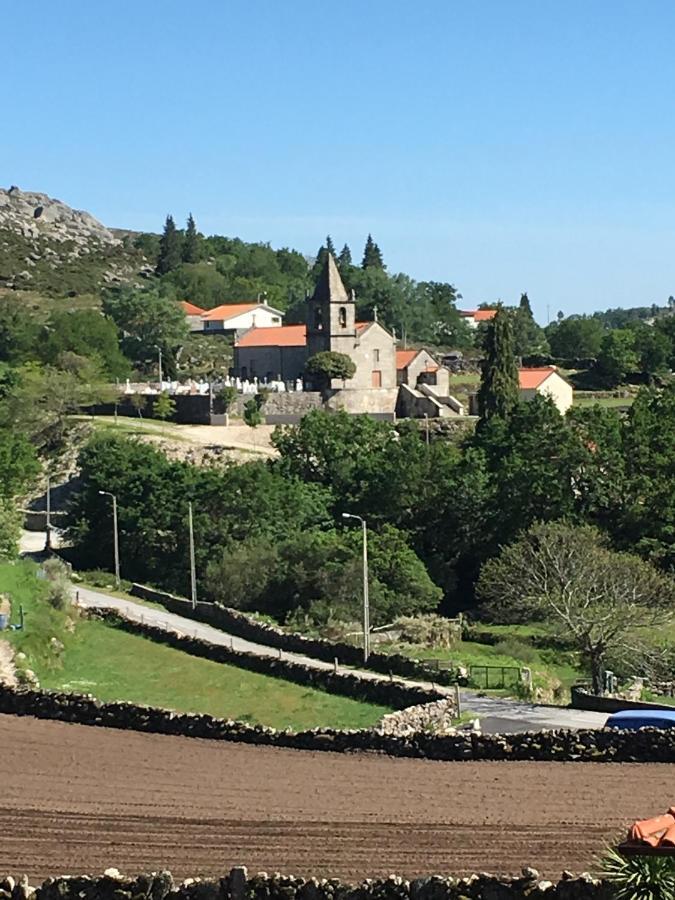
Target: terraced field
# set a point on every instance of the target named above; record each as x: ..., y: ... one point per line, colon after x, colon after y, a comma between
x: 80, y: 799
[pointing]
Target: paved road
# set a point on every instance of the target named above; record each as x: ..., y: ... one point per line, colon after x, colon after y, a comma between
x: 495, y: 714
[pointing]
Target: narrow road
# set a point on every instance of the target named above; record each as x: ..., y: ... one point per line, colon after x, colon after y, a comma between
x: 496, y: 714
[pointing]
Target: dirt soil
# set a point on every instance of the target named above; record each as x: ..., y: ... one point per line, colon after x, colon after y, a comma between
x: 79, y: 799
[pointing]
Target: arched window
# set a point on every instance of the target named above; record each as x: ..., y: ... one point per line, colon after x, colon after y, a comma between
x: 343, y: 317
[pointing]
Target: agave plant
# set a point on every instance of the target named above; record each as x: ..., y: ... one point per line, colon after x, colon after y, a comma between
x: 639, y: 877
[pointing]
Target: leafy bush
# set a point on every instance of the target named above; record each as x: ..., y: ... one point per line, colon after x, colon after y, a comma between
x: 430, y: 630
x: 516, y: 649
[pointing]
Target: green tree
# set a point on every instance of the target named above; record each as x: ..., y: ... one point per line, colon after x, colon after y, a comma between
x: 529, y: 338
x: 147, y: 321
x: 228, y: 397
x: 88, y: 334
x: 617, y: 356
x: 170, y: 248
x: 139, y: 402
x: 330, y: 246
x: 591, y: 596
x: 252, y: 412
x: 329, y: 364
x: 344, y: 260
x: 18, y: 332
x: 499, y: 391
x: 165, y: 406
x: 11, y: 522
x: 653, y: 349
x: 190, y: 242
x: 372, y: 255
x: 578, y: 337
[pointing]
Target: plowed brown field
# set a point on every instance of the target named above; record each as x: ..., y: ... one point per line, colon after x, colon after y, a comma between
x: 75, y: 799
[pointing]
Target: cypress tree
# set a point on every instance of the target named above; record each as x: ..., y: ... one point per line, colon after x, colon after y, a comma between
x: 169, y: 248
x: 499, y: 390
x: 372, y: 255
x: 330, y: 246
x: 528, y: 336
x: 344, y: 259
x: 191, y: 242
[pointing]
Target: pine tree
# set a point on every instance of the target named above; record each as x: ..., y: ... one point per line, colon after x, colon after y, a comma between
x: 528, y: 337
x: 499, y: 389
x: 344, y: 259
x: 191, y: 242
x: 330, y: 246
x: 372, y: 255
x: 319, y: 263
x: 170, y: 246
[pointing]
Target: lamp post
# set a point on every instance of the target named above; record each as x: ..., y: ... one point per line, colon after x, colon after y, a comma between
x: 115, y: 536
x: 193, y: 570
x: 366, y: 605
x: 159, y: 356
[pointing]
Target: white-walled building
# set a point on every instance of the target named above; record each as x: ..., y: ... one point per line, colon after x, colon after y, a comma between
x: 231, y: 317
x: 546, y: 380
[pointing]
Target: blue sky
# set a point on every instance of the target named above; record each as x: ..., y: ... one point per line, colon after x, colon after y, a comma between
x: 503, y: 146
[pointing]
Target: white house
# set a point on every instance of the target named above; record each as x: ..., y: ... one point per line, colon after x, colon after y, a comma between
x: 232, y: 317
x: 547, y: 381
x: 474, y: 317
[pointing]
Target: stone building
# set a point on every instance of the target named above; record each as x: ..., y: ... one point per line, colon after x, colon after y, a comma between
x: 282, y: 351
x: 332, y: 325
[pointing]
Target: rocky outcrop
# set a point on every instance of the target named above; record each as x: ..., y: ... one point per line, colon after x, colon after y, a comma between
x: 438, y: 717
x: 35, y: 215
x: 237, y: 885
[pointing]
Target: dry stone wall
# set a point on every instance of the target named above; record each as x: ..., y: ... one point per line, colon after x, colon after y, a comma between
x: 243, y: 626
x: 349, y: 684
x: 647, y: 745
x: 237, y: 885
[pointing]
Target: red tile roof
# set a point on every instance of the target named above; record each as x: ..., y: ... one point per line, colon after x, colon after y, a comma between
x: 360, y: 326
x: 531, y: 379
x: 228, y: 311
x: 478, y: 315
x: 281, y: 336
x: 405, y: 357
x: 190, y: 309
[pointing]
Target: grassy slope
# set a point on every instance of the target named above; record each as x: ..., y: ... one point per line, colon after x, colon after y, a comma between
x: 112, y: 665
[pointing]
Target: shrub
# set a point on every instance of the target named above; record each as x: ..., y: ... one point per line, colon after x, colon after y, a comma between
x: 516, y: 649
x: 430, y: 630
x: 640, y: 877
x: 58, y: 588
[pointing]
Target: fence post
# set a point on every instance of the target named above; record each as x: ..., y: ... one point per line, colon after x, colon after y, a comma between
x: 335, y: 665
x: 458, y: 702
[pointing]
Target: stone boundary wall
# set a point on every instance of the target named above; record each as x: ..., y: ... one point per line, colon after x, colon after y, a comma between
x: 582, y: 698
x: 239, y: 624
x: 649, y: 745
x: 348, y: 684
x: 237, y: 885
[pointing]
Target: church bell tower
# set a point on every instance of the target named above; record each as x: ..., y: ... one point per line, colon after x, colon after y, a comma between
x: 331, y: 314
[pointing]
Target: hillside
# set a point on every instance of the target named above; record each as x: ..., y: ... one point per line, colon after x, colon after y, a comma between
x: 48, y: 247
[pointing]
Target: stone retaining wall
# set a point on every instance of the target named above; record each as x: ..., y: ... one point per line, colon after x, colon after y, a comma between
x: 237, y: 885
x: 582, y: 698
x: 381, y: 691
x: 243, y: 626
x: 648, y: 745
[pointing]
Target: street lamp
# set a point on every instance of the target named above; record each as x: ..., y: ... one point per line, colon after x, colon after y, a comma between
x: 159, y: 352
x: 115, y: 536
x: 366, y: 605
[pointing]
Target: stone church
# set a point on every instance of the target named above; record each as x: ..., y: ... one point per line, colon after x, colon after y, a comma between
x: 281, y: 353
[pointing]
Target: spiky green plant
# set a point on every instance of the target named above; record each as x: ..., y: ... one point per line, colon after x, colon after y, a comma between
x: 640, y: 877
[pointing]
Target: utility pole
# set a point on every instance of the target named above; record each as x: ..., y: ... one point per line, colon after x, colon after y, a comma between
x: 116, y: 543
x: 48, y: 519
x: 193, y: 570
x: 366, y: 602
x: 159, y: 351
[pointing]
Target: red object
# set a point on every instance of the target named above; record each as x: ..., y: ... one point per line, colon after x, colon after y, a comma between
x: 655, y: 835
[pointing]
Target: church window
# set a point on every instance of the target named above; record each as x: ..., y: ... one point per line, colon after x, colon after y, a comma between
x: 376, y: 355
x: 343, y: 317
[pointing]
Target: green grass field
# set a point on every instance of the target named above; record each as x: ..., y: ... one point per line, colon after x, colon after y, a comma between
x: 112, y: 665
x: 606, y: 402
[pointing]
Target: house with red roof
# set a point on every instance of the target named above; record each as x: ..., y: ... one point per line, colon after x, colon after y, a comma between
x: 234, y: 317
x: 547, y: 381
x: 193, y: 314
x: 474, y: 317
